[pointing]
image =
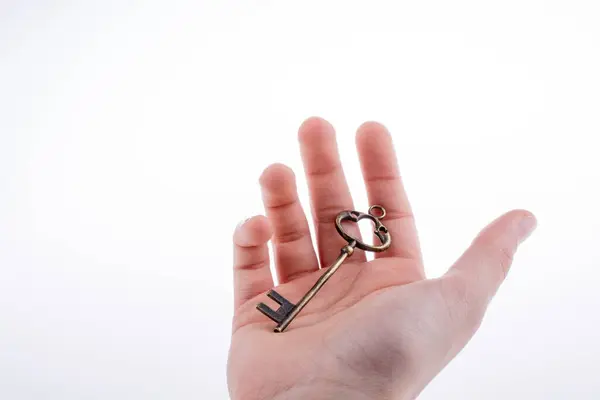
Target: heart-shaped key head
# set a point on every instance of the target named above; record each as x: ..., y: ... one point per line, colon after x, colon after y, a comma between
x: 376, y: 214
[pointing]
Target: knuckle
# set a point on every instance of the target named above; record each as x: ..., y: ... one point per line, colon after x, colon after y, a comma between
x: 291, y: 236
x: 505, y: 259
x: 500, y: 259
x: 497, y: 255
x: 462, y: 305
x: 397, y: 214
x: 251, y: 266
x: 327, y: 214
x: 324, y: 171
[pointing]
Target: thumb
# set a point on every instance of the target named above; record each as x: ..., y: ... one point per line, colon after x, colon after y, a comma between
x: 482, y: 268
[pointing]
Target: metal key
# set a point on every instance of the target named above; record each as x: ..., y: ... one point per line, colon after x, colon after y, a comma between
x: 288, y: 310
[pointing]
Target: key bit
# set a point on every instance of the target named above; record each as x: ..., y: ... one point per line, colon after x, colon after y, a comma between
x: 285, y: 307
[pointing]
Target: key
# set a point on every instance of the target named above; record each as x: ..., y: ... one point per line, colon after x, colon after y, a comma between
x: 287, y: 310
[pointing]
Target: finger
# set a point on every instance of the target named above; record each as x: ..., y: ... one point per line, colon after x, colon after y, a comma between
x: 292, y: 245
x: 251, y: 273
x: 476, y: 276
x: 384, y: 187
x: 329, y: 192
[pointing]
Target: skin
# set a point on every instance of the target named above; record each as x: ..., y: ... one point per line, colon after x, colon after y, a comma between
x: 377, y: 329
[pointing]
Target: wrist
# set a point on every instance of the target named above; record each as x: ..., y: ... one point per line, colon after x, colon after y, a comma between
x: 325, y: 392
x: 359, y: 389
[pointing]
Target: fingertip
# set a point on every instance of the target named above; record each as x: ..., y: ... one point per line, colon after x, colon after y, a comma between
x: 253, y: 231
x: 525, y: 214
x: 370, y: 127
x: 520, y: 213
x: 369, y: 130
x: 524, y: 221
x: 518, y: 221
x: 275, y: 175
x: 527, y: 224
x: 374, y: 142
x: 313, y: 127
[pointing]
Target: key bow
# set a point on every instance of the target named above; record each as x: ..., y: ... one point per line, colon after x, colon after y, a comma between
x: 380, y: 230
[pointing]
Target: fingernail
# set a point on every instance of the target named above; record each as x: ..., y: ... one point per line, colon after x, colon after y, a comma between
x: 526, y: 226
x: 241, y: 223
x: 240, y: 234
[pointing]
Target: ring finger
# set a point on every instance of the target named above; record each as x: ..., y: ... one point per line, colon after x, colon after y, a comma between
x: 292, y: 244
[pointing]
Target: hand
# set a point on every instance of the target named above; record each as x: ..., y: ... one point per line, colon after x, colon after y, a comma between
x: 378, y: 329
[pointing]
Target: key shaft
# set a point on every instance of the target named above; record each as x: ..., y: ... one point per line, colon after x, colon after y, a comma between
x: 345, y: 253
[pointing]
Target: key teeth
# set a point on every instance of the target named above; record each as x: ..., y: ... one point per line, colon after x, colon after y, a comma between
x: 285, y: 308
x: 269, y: 312
x: 286, y: 305
x: 279, y: 299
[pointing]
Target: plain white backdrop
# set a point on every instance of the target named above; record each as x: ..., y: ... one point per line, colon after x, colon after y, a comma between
x: 132, y: 135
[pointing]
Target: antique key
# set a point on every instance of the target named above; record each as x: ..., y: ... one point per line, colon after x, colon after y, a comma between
x: 288, y: 310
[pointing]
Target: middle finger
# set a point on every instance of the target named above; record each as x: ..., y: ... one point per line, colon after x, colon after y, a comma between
x: 329, y: 192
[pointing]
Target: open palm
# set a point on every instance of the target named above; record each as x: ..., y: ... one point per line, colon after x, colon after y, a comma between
x: 377, y: 329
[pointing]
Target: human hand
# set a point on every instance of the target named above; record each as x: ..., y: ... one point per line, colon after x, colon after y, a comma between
x: 377, y: 329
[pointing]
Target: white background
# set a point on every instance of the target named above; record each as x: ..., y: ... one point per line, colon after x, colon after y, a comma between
x: 132, y: 135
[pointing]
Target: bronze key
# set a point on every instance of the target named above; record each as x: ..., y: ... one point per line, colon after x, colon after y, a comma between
x: 287, y: 310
